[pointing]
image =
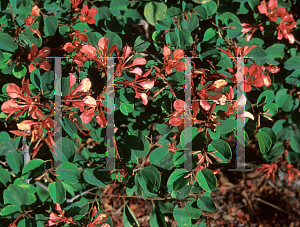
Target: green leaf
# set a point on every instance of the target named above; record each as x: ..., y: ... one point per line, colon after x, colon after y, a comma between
x: 132, y: 16
x: 36, y: 79
x: 7, y: 43
x: 15, y: 160
x: 4, y: 176
x: 242, y: 137
x: 96, y: 176
x: 102, y: 13
x: 272, y: 109
x: 201, y: 12
x: 177, y: 181
x: 162, y: 158
x: 149, y: 179
x: 283, y: 130
x: 206, y: 204
x: 65, y: 150
x: 157, y: 219
x: 210, y: 7
x: 50, y: 25
x: 295, y: 142
x: 181, y: 216
x: 57, y: 192
x: 34, y: 168
x: 183, y: 37
x: 162, y: 25
x: 93, y: 38
x: 226, y: 125
x: 275, y: 52
x: 193, y: 210
x: 10, y: 209
x: 16, y: 195
x: 78, y: 208
x: 291, y: 64
x: 129, y: 219
x: 271, y: 133
x: 68, y: 172
x: 141, y: 43
x: 113, y: 38
x: 221, y: 146
x: 264, y: 142
x: 139, y: 146
x: 171, y: 38
x: 207, y: 180
x: 116, y: 6
x: 155, y: 11
x: 19, y: 71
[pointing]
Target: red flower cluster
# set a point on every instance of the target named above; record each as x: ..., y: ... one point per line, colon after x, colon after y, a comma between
x: 272, y: 11
x: 28, y: 101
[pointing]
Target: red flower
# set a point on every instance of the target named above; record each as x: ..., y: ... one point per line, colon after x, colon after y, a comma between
x: 102, y: 50
x: 124, y: 60
x: 30, y: 19
x: 248, y: 28
x: 291, y: 171
x: 55, y: 219
x: 98, y: 220
x: 173, y: 62
x: 77, y: 43
x: 178, y: 116
x: 271, y: 10
x: 284, y: 28
x: 271, y: 169
x: 75, y: 3
x: 87, y: 15
x: 37, y: 58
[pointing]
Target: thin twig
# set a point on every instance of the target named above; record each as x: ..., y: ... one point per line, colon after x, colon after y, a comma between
x: 26, y: 153
x: 41, y: 186
x: 271, y: 205
x: 81, y: 194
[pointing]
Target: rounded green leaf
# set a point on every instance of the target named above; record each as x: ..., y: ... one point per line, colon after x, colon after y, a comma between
x: 226, y: 125
x: 50, y: 25
x: 271, y: 133
x: 283, y: 130
x: 292, y: 63
x: 19, y: 71
x: 206, y: 204
x: 264, y: 142
x: 132, y: 16
x: 207, y: 180
x: 157, y: 219
x: 4, y: 176
x: 177, y: 181
x: 35, y: 78
x: 116, y: 6
x: 295, y: 142
x: 141, y: 43
x: 149, y: 179
x: 210, y: 7
x: 57, y: 192
x: 181, y: 216
x: 16, y: 195
x: 96, y: 176
x: 221, y: 146
x: 162, y: 158
x: 155, y: 11
x: 68, y: 172
x: 270, y: 108
x: 34, y: 168
x: 7, y: 43
x: 10, y: 209
x: 193, y: 209
x: 162, y: 25
x: 129, y: 220
x: 113, y: 38
x: 139, y: 146
x: 201, y: 12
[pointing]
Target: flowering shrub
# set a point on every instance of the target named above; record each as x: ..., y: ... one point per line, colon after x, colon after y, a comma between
x: 166, y: 64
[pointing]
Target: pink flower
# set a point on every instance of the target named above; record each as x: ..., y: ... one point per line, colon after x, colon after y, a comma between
x: 87, y: 15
